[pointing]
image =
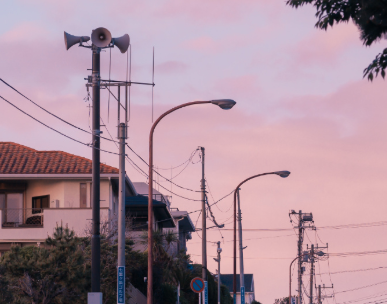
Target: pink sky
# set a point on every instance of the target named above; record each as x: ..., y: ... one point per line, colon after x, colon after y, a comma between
x: 302, y: 106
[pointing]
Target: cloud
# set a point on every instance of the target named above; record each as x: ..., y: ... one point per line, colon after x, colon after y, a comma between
x: 169, y: 67
x: 325, y: 47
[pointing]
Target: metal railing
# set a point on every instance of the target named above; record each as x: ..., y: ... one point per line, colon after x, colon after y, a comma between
x: 26, y: 217
x: 161, y: 198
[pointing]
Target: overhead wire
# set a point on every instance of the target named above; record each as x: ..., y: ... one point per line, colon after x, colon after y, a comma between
x: 53, y: 129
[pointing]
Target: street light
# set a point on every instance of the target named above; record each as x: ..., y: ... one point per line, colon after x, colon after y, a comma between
x: 320, y: 253
x: 224, y: 104
x: 282, y: 174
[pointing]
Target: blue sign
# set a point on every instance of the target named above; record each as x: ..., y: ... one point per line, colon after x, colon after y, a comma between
x: 293, y: 300
x: 235, y: 299
x: 205, y: 292
x: 243, y: 295
x: 121, y: 285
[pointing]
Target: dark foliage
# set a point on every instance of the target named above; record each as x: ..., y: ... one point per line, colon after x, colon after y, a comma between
x: 59, y: 272
x: 370, y: 16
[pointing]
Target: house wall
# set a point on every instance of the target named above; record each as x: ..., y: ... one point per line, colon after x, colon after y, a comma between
x: 77, y: 219
x: 66, y: 191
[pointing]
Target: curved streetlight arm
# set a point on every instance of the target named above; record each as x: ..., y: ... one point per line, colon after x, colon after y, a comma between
x: 279, y: 173
x: 290, y: 271
x: 224, y: 104
x: 150, y: 195
x: 290, y: 276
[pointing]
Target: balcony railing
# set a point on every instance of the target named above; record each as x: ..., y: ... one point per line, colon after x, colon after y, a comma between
x: 26, y: 217
x: 161, y: 198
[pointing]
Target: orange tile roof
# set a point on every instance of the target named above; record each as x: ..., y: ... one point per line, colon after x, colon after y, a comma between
x: 19, y: 159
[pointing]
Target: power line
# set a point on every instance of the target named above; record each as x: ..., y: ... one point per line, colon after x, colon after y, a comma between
x: 362, y: 287
x: 355, y: 270
x: 51, y: 128
x: 167, y: 179
x: 52, y: 114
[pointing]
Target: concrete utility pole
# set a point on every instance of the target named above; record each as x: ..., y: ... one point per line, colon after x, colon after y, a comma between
x: 299, y: 254
x: 319, y: 294
x: 204, y: 231
x: 219, y: 250
x: 241, y: 268
x: 311, y: 273
x: 302, y: 218
x: 122, y: 135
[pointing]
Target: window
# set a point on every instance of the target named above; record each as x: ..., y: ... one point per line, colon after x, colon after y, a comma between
x: 12, y: 203
x: 83, y: 194
x: 40, y: 202
x: 2, y: 201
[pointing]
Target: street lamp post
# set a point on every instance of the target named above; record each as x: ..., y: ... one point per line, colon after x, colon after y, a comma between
x: 279, y: 173
x: 224, y: 104
x: 320, y: 253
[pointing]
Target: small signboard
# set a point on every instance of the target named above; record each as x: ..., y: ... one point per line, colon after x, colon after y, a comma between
x: 197, y: 285
x: 121, y: 285
x: 243, y: 294
x: 293, y: 300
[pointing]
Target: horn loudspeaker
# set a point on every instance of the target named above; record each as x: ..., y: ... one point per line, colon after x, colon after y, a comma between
x: 70, y: 40
x: 101, y: 37
x: 122, y: 43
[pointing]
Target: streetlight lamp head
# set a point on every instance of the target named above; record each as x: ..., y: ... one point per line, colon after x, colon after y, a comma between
x: 283, y: 173
x: 225, y: 104
x: 320, y: 253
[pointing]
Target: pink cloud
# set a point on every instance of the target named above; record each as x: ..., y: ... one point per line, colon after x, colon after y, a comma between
x: 171, y: 67
x: 204, y: 43
x: 325, y: 47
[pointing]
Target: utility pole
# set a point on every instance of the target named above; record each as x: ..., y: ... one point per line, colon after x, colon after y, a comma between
x: 96, y: 238
x: 241, y: 268
x: 122, y: 136
x: 311, y: 273
x: 302, y: 218
x: 299, y: 254
x: 219, y: 250
x: 319, y: 294
x: 204, y: 232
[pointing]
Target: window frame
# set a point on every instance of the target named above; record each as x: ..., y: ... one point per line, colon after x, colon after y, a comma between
x: 40, y: 209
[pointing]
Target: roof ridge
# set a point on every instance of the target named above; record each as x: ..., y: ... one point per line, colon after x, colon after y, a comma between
x: 16, y: 144
x: 18, y: 159
x: 77, y: 156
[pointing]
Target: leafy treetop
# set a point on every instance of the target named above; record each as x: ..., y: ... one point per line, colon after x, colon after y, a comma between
x: 370, y: 16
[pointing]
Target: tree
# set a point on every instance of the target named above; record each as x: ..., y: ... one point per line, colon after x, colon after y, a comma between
x: 370, y: 16
x: 47, y: 275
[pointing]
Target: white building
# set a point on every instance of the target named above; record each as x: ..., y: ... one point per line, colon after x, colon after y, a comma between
x: 42, y: 189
